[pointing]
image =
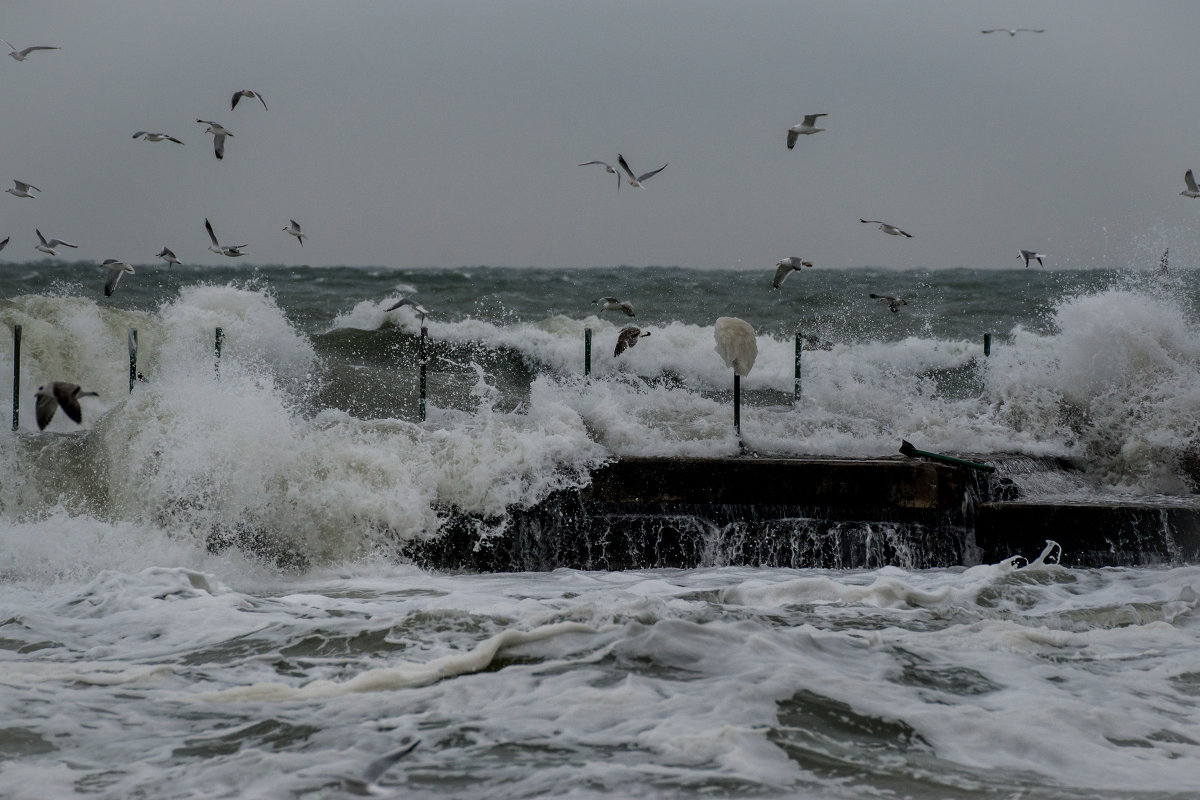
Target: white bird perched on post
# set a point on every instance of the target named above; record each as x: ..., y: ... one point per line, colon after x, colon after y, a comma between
x: 736, y: 344
x: 803, y: 129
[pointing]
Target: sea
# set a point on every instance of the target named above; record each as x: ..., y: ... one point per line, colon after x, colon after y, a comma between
x: 150, y: 648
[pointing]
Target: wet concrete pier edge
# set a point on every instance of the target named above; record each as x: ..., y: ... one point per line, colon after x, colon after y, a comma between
x: 805, y: 512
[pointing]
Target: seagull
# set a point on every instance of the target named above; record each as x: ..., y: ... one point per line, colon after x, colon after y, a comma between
x: 613, y: 304
x: 247, y: 93
x: 166, y: 255
x: 294, y: 230
x: 637, y: 181
x: 627, y: 338
x: 894, y: 303
x: 805, y: 127
x: 405, y: 301
x: 4, y: 244
x: 21, y: 55
x: 1192, y: 189
x: 219, y: 133
x: 1029, y: 254
x: 375, y: 770
x: 21, y: 188
x: 886, y: 228
x: 233, y: 251
x: 786, y: 267
x: 59, y: 393
x: 48, y: 246
x: 155, y: 137
x: 1013, y: 31
x: 115, y: 270
x: 607, y: 168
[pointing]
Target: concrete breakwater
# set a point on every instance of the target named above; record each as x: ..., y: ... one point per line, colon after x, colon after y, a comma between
x: 807, y: 512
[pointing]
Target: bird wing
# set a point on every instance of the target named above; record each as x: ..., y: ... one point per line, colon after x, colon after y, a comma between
x: 45, y: 408
x: 4, y: 243
x: 625, y: 339
x: 263, y: 100
x: 886, y: 297
x: 295, y: 225
x: 41, y: 238
x: 792, y: 137
x: 57, y: 242
x: 1190, y: 180
x: 781, y: 273
x: 29, y: 50
x: 589, y: 163
x: 115, y: 270
x: 25, y: 187
x: 236, y: 96
x: 403, y: 301
x: 810, y: 119
x: 993, y: 30
x: 219, y: 144
x: 173, y: 139
x: 211, y: 235
x: 139, y: 133
x: 651, y: 174
x: 67, y: 396
x: 624, y: 166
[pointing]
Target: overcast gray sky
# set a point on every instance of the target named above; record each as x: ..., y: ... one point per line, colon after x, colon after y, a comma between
x: 448, y: 133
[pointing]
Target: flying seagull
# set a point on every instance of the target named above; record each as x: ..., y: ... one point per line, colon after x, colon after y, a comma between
x: 166, y: 255
x: 374, y: 771
x: 406, y: 301
x: 21, y: 55
x: 638, y: 180
x: 294, y: 230
x: 59, y: 393
x: 786, y: 267
x: 1192, y: 189
x: 219, y: 133
x: 1013, y: 31
x: 47, y: 246
x: 1028, y: 255
x: 155, y: 137
x: 805, y: 127
x: 607, y: 168
x: 886, y: 228
x: 21, y: 189
x: 233, y: 251
x: 247, y: 93
x: 115, y: 270
x: 893, y: 303
x: 627, y: 338
x: 613, y: 304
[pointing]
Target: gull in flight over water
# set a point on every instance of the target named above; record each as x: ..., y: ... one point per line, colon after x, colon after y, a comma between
x: 294, y: 230
x: 638, y: 180
x: 219, y: 133
x: 1192, y: 190
x: 613, y: 304
x: 21, y: 55
x: 166, y: 255
x: 893, y: 303
x: 247, y: 93
x: 627, y: 338
x: 805, y: 127
x: 1029, y: 255
x: 1013, y: 31
x: 367, y: 783
x: 59, y: 393
x: 406, y: 301
x: 155, y: 137
x: 115, y: 270
x: 21, y: 189
x: 233, y: 251
x: 786, y: 267
x: 607, y: 168
x: 886, y: 228
x: 47, y: 246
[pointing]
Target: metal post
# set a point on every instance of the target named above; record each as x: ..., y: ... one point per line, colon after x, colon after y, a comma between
x: 799, y: 347
x: 421, y: 359
x: 217, y: 350
x: 16, y: 376
x: 133, y: 348
x: 987, y: 344
x: 737, y: 403
x: 587, y: 352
